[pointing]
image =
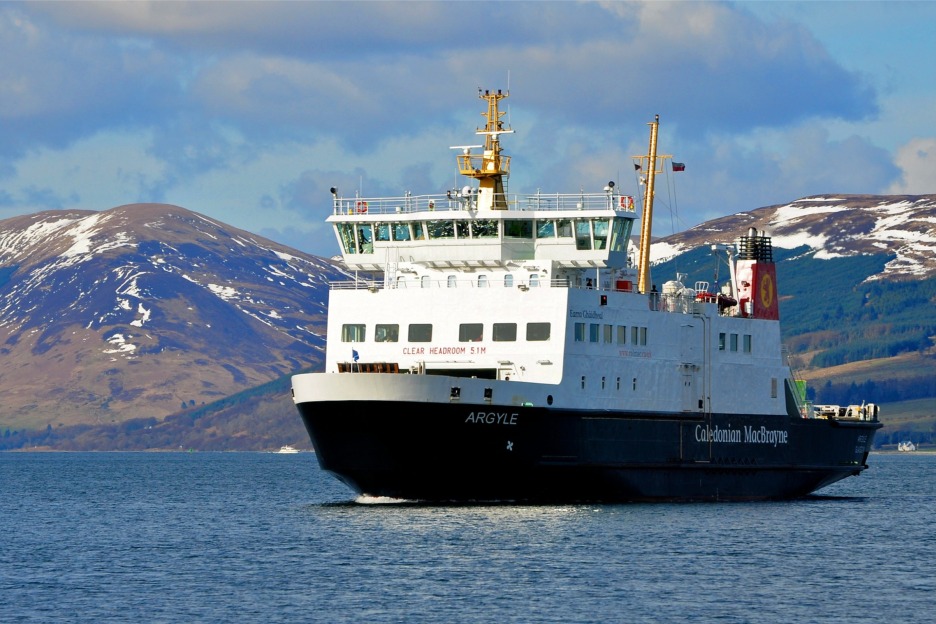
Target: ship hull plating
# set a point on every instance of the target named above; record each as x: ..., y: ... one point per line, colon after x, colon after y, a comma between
x: 481, y: 453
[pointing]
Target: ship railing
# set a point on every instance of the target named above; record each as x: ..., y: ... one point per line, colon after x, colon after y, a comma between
x: 468, y: 200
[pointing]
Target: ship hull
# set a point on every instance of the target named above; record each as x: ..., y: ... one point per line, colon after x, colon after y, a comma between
x: 452, y: 452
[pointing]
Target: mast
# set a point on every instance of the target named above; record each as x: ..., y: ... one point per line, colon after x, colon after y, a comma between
x: 490, y: 168
x: 646, y: 219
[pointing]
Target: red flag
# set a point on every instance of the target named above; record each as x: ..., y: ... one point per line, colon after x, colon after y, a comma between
x: 679, y: 166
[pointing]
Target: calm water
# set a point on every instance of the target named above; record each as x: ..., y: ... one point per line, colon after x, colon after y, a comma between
x: 254, y: 537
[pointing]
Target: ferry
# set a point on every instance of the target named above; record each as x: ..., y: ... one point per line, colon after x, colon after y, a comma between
x: 490, y: 346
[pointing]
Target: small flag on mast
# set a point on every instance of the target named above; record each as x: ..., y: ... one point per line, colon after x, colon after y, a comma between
x: 679, y: 166
x: 354, y: 355
x: 636, y: 167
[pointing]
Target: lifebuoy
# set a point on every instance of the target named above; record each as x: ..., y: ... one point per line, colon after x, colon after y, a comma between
x: 362, y: 207
x: 627, y: 202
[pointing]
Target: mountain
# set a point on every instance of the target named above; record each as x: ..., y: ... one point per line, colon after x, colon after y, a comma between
x: 901, y: 227
x: 152, y: 326
x: 145, y: 309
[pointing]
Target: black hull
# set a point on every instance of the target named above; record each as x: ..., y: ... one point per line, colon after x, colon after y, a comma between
x: 471, y: 453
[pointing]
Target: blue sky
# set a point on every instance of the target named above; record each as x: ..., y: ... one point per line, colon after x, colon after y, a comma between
x: 248, y: 112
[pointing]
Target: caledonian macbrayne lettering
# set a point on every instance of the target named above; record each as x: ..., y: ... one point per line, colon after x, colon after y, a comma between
x: 492, y: 418
x: 747, y: 435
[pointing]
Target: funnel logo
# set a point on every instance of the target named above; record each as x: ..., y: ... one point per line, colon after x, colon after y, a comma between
x: 766, y: 291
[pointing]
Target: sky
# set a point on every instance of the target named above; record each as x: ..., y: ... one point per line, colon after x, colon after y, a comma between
x: 249, y: 112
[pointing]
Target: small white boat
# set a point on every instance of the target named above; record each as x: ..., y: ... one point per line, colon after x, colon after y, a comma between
x: 906, y: 446
x: 286, y: 449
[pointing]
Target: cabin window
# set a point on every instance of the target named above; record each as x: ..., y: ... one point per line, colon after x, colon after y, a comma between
x: 401, y: 232
x: 643, y: 336
x: 608, y: 334
x: 564, y: 228
x: 484, y: 228
x: 534, y: 280
x: 593, y: 332
x: 622, y: 334
x: 470, y: 332
x: 635, y: 333
x: 382, y: 232
x: 580, y: 332
x: 387, y: 333
x: 440, y: 229
x: 618, y: 384
x: 583, y: 382
x: 601, y: 233
x: 504, y: 332
x: 420, y: 332
x: 424, y: 282
x: 773, y: 387
x: 508, y: 280
x: 602, y: 383
x: 734, y: 342
x: 747, y: 343
x: 518, y: 228
x: 353, y: 332
x: 545, y: 228
x: 537, y: 332
x: 419, y: 233
x: 582, y: 234
x: 451, y: 281
x: 482, y: 281
x: 722, y: 337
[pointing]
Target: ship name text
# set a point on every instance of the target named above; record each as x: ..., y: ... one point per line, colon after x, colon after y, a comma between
x: 746, y: 435
x: 492, y: 418
x: 589, y: 314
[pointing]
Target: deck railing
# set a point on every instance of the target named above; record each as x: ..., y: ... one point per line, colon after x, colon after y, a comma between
x: 454, y: 201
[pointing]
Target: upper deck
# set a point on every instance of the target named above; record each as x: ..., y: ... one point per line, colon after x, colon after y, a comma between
x: 451, y: 230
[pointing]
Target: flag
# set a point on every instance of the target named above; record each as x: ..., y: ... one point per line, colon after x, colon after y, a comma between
x: 679, y: 166
x: 354, y: 355
x: 636, y: 167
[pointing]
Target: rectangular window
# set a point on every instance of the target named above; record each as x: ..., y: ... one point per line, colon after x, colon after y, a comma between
x: 518, y: 228
x: 747, y: 343
x: 504, y: 332
x: 353, y: 332
x: 484, y: 228
x: 643, y: 336
x: 721, y: 341
x: 470, y: 332
x: 545, y: 228
x: 420, y: 332
x: 387, y: 333
x: 608, y: 334
x: 734, y: 342
x: 382, y: 232
x: 537, y: 332
x: 401, y: 232
x: 622, y: 334
x: 580, y: 332
x: 593, y: 329
x: 582, y: 234
x: 634, y: 336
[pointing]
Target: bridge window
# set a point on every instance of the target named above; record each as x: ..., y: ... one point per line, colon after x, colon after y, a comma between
x: 545, y: 228
x: 401, y: 232
x: 440, y: 229
x: 564, y: 228
x: 582, y: 234
x: 601, y: 233
x: 518, y: 228
x: 484, y: 228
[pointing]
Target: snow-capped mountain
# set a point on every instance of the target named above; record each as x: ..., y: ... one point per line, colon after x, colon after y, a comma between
x: 146, y: 309
x: 140, y: 310
x: 832, y: 226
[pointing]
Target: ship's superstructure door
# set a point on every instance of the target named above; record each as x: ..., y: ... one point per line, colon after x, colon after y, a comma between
x: 691, y: 369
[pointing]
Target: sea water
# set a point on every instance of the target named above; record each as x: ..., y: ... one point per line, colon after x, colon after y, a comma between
x: 262, y: 537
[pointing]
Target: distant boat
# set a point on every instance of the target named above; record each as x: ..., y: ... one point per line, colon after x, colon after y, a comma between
x: 287, y: 449
x: 906, y: 446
